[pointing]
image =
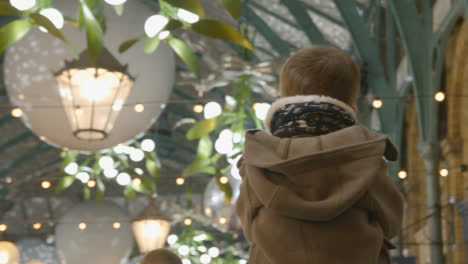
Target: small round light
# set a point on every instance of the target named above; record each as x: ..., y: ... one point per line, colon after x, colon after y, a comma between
x: 187, y: 221
x: 222, y: 220
x: 180, y: 181
x: 137, y: 155
x: 223, y: 180
x: 110, y: 173
x: 23, y: 5
x: 236, y: 138
x: 16, y: 112
x: 187, y: 16
x: 439, y: 96
x: 139, y: 108
x: 444, y: 172
x: 8, y: 180
x: 164, y: 34
x: 42, y: 138
x: 200, y: 238
x: 71, y: 168
x: 402, y: 174
x: 186, y: 261
x: 116, y: 225
x: 183, y: 250
x: 154, y: 24
x: 82, y: 226
x: 261, y: 110
x: 115, y: 2
x: 136, y: 181
x: 255, y: 105
x: 223, y: 145
x: 198, y: 108
x: 205, y: 259
x: 45, y: 184
x: 148, y: 145
x: 172, y: 239
x: 212, y: 109
x: 124, y: 179
x: 54, y: 16
x: 213, y: 252
x: 82, y: 176
x: 37, y: 226
x: 106, y: 162
x: 138, y: 171
x: 377, y: 103
x: 3, y: 227
x: 92, y: 184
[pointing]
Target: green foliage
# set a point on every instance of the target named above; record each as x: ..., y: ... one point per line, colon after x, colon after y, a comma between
x: 221, y: 30
x: 151, y: 44
x: 189, y: 5
x: 94, y: 31
x: 129, y: 43
x: 199, y: 166
x: 129, y: 193
x: 202, y: 128
x: 205, y: 147
x: 119, y: 9
x: 234, y: 7
x: 186, y: 54
x: 65, y: 182
x: 12, y: 32
x: 7, y: 10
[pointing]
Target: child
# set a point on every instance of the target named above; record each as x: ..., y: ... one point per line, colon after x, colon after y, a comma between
x: 161, y: 256
x: 315, y: 188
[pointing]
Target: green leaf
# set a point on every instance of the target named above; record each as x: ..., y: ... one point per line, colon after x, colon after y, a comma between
x: 221, y: 30
x: 119, y: 9
x: 141, y: 188
x: 93, y: 32
x: 225, y: 188
x: 100, y: 189
x: 152, y: 168
x: 173, y: 25
x: 202, y: 128
x: 189, y: 5
x: 205, y: 147
x: 151, y: 44
x: 12, y: 32
x: 64, y: 183
x: 86, y: 193
x: 7, y: 10
x: 129, y: 43
x: 149, y: 183
x: 186, y: 54
x: 129, y: 193
x: 234, y: 7
x: 199, y: 166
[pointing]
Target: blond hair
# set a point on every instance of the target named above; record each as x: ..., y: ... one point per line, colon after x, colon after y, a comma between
x: 161, y: 256
x: 321, y: 70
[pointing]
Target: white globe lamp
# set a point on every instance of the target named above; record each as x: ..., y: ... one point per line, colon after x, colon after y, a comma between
x: 57, y: 94
x: 9, y: 253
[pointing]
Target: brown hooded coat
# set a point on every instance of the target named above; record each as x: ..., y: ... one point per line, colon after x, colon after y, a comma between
x: 321, y: 200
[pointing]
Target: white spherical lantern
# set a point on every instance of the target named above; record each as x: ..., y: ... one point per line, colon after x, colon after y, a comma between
x: 35, y: 251
x: 221, y: 213
x: 31, y: 63
x: 86, y: 234
x: 9, y: 253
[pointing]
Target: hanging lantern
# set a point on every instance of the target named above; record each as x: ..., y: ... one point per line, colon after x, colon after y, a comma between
x: 151, y: 228
x: 93, y: 94
x: 9, y: 254
x: 35, y: 70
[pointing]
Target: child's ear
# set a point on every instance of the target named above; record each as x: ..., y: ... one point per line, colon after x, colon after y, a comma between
x: 354, y: 108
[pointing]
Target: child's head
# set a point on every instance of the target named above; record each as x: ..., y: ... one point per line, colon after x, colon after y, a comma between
x: 161, y: 256
x: 321, y: 70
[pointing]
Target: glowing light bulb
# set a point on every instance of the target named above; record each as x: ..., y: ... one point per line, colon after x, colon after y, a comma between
x: 136, y: 181
x: 261, y: 110
x: 106, y: 162
x: 42, y: 138
x: 37, y: 226
x: 183, y: 250
x: 154, y: 24
x: 110, y: 173
x: 91, y: 183
x: 116, y: 225
x: 213, y: 252
x: 212, y: 109
x: 3, y: 227
x: 4, y: 258
x: 137, y: 155
x: 377, y: 103
x: 151, y: 229
x: 54, y: 16
x: 187, y: 16
x: 148, y: 145
x: 402, y: 174
x: 187, y: 221
x: 444, y: 172
x: 172, y: 239
x: 205, y: 259
x: 164, y: 34
x: 16, y: 112
x: 23, y: 5
x: 45, y: 184
x: 82, y: 176
x: 139, y: 108
x: 439, y: 97
x: 124, y: 179
x: 223, y: 180
x: 71, y: 168
x: 82, y: 226
x: 180, y: 181
x: 78, y: 111
x: 222, y: 220
x: 198, y: 108
x: 115, y: 2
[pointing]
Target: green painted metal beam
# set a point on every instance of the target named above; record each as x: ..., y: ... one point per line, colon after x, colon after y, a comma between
x: 273, y: 14
x: 324, y: 15
x: 6, y: 118
x: 40, y: 148
x: 10, y: 143
x: 299, y: 11
x: 281, y: 46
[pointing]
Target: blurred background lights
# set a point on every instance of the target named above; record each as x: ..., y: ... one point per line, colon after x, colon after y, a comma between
x: 213, y: 252
x: 154, y: 24
x: 45, y: 184
x: 198, y: 108
x: 377, y: 103
x: 172, y: 239
x: 222, y: 220
x: 187, y: 16
x: 37, y: 226
x: 106, y: 162
x: 180, y: 181
x: 82, y: 226
x: 54, y: 16
x: 138, y: 171
x: 136, y: 181
x: 137, y: 155
x: 223, y: 180
x: 148, y: 145
x: 261, y: 110
x: 110, y: 173
x: 205, y: 259
x: 82, y: 176
x: 3, y: 227
x: 187, y: 221
x: 443, y: 172
x: 212, y: 109
x: 124, y: 179
x: 16, y: 112
x: 402, y: 174
x: 71, y: 168
x: 23, y: 5
x: 183, y: 250
x: 91, y: 184
x: 116, y: 225
x: 186, y: 261
x: 139, y: 108
x: 439, y: 97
